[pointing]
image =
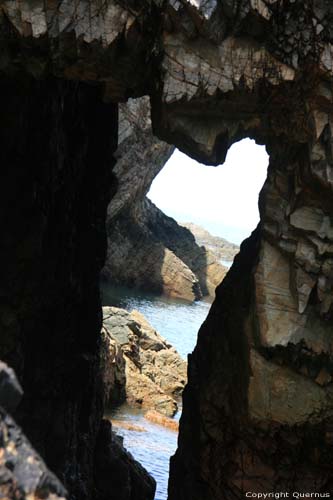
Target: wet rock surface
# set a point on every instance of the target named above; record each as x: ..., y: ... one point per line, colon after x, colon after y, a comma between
x: 149, y: 371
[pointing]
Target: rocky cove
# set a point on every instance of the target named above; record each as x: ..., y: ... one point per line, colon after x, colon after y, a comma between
x: 257, y: 408
x: 151, y: 443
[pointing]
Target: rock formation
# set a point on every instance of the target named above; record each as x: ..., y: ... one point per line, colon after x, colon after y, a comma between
x: 139, y: 366
x: 118, y: 475
x: 222, y: 248
x: 147, y: 249
x: 258, y: 405
x: 151, y: 251
x: 23, y: 474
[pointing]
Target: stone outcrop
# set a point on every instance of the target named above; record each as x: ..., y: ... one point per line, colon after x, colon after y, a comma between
x: 139, y: 365
x: 147, y: 249
x: 222, y: 248
x: 151, y: 251
x: 215, y: 73
x: 23, y: 474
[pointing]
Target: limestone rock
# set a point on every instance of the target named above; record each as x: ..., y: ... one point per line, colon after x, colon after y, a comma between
x: 149, y: 371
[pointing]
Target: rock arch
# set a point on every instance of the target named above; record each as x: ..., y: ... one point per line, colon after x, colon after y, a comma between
x: 258, y: 408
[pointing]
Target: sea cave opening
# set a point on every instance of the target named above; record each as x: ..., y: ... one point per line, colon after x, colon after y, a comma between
x: 187, y: 217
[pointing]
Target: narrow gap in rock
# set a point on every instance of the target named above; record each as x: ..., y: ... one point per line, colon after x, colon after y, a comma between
x: 179, y: 241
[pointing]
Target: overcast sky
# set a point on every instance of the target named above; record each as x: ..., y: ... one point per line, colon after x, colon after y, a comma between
x: 222, y: 199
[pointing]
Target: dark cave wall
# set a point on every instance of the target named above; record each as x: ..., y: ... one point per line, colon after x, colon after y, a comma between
x: 56, y: 145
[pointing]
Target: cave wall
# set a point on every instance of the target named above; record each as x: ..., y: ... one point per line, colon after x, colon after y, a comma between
x: 258, y: 406
x: 57, y: 140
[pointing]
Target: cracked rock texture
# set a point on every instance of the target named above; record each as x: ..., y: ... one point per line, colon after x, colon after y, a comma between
x: 139, y: 365
x: 147, y: 249
x: 215, y: 73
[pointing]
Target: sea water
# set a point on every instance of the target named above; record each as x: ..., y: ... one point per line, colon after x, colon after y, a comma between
x: 178, y: 322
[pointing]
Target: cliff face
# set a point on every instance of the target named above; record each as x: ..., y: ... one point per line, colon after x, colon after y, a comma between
x: 258, y: 405
x: 151, y: 251
x: 147, y: 249
x: 56, y: 141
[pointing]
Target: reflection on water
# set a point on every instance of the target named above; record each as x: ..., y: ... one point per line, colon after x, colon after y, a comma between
x: 151, y: 447
x: 179, y: 323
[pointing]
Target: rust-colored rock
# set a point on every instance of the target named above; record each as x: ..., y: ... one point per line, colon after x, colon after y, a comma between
x: 139, y: 365
x: 157, y: 418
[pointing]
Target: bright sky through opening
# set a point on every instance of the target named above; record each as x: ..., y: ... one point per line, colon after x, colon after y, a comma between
x: 222, y: 199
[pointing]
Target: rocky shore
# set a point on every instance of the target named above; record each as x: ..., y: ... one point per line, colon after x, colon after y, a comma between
x: 139, y: 366
x: 25, y: 476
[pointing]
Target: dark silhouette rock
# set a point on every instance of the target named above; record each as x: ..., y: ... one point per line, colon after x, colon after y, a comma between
x: 10, y: 390
x: 115, y: 467
x: 23, y: 474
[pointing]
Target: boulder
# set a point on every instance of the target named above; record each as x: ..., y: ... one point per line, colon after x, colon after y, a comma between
x: 139, y: 365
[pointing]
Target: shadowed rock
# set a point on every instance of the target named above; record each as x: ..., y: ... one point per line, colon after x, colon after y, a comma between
x: 23, y: 474
x: 10, y: 390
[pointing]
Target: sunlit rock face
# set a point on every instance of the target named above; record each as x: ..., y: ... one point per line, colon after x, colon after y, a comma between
x: 139, y: 366
x: 258, y: 405
x: 259, y: 397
